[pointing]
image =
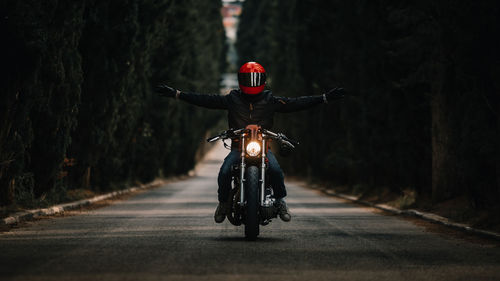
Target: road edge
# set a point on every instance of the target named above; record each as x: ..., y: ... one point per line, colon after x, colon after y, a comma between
x: 56, y: 209
x: 430, y: 217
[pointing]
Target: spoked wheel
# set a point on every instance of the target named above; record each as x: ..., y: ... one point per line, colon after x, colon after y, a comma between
x: 252, y: 194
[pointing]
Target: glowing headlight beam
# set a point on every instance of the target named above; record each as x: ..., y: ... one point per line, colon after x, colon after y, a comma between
x: 253, y: 148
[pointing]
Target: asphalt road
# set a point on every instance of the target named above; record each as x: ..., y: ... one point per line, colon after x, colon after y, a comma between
x: 168, y: 233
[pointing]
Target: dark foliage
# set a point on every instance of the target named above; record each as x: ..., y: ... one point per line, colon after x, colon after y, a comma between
x: 423, y: 106
x: 77, y: 107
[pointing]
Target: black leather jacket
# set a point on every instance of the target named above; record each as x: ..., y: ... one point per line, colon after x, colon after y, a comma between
x: 245, y: 109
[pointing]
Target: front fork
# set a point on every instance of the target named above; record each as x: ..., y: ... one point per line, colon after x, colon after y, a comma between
x: 262, y: 180
x: 263, y: 175
x: 242, y: 173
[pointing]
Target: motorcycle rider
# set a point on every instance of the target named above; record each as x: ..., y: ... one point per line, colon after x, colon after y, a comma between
x: 250, y: 104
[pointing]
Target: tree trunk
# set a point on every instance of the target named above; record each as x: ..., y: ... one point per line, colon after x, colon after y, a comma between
x: 445, y: 176
x: 86, y: 181
x: 6, y: 192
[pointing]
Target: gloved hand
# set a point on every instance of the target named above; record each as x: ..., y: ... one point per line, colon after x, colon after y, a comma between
x: 165, y: 91
x: 334, y: 94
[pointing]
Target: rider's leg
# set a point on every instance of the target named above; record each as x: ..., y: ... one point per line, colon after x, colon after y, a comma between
x: 224, y: 181
x: 277, y: 181
x: 224, y: 178
x: 276, y: 177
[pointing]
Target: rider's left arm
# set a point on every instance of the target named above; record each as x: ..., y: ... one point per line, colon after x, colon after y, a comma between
x: 304, y: 102
x: 285, y: 104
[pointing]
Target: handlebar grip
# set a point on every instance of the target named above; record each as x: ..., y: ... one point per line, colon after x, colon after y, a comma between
x: 295, y: 143
x: 287, y: 143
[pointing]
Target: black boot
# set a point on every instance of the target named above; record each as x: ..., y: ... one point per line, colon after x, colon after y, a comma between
x: 283, y: 210
x: 221, y: 212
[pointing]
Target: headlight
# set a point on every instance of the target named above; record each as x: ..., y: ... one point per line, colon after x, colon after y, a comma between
x: 253, y: 148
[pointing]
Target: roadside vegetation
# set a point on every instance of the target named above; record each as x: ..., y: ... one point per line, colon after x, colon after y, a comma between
x: 78, y: 114
x: 421, y: 125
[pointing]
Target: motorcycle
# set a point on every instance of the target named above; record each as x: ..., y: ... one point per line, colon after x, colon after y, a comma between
x: 251, y: 199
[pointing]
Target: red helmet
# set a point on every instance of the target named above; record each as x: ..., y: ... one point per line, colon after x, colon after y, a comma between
x: 252, y: 78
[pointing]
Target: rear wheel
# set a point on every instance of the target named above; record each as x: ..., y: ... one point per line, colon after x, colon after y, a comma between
x: 252, y: 194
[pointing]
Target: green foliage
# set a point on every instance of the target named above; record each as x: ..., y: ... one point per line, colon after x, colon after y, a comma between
x: 77, y: 103
x: 423, y: 105
x: 41, y: 89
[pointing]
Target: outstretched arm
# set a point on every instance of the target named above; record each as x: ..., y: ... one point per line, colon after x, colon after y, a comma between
x: 295, y: 104
x: 208, y: 101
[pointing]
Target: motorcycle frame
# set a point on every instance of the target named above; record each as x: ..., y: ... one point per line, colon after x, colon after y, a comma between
x: 254, y: 133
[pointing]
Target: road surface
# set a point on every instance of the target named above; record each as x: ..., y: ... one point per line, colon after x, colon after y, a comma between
x: 168, y: 233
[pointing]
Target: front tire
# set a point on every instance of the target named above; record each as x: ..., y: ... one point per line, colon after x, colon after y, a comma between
x: 252, y: 194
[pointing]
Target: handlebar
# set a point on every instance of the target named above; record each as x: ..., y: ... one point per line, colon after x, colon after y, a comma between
x: 231, y: 133
x: 226, y: 135
x: 212, y: 139
x: 281, y: 137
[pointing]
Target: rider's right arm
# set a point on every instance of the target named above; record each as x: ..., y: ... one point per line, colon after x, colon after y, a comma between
x: 208, y: 101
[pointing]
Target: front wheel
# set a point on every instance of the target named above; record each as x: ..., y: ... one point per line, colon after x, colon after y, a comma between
x: 252, y: 194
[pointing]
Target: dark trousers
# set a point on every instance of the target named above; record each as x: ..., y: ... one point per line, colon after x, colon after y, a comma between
x: 274, y: 171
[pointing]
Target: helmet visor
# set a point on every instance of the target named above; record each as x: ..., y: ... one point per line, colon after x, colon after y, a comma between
x: 252, y: 79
